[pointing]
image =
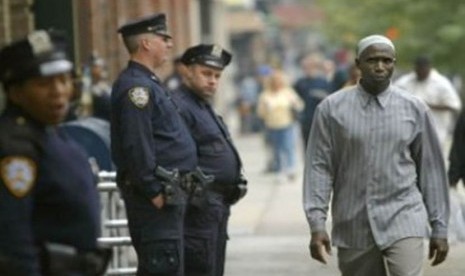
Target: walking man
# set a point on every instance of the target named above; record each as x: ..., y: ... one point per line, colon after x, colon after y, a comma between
x: 373, y: 147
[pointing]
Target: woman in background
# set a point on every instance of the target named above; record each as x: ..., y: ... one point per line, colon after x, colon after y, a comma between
x: 278, y: 105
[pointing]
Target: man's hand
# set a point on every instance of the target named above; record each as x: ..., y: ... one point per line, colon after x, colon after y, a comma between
x: 438, y: 249
x: 318, y: 245
x: 158, y: 201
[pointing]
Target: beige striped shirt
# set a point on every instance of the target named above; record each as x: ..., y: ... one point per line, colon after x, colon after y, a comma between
x: 380, y: 159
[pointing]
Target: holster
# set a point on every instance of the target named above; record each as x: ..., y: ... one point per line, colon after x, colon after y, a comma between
x: 171, y: 182
x: 197, y: 183
x: 60, y: 259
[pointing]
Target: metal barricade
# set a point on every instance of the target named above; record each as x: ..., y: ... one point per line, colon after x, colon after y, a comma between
x: 114, y: 227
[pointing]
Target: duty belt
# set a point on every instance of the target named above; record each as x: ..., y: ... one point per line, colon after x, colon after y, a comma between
x: 221, y: 188
x: 60, y: 259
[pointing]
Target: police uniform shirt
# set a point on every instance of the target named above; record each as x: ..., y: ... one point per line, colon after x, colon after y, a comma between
x: 146, y: 130
x: 216, y: 153
x: 47, y: 193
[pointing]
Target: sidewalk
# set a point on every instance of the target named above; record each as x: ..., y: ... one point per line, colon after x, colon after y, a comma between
x: 269, y: 233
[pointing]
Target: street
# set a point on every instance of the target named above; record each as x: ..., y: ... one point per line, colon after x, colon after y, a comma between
x: 269, y: 233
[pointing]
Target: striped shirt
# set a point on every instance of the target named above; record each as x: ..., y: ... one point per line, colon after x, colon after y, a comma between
x: 379, y: 158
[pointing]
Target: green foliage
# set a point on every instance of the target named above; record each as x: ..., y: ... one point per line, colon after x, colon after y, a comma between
x: 433, y: 27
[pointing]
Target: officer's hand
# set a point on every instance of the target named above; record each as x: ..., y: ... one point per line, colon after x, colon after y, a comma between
x: 318, y: 245
x: 438, y: 249
x: 158, y: 201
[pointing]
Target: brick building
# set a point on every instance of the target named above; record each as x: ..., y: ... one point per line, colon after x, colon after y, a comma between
x: 92, y: 24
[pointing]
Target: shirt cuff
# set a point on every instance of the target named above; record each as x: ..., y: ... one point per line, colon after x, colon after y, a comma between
x: 318, y: 226
x: 439, y: 232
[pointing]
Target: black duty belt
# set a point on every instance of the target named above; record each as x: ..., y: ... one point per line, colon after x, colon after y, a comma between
x: 59, y: 259
x: 221, y: 188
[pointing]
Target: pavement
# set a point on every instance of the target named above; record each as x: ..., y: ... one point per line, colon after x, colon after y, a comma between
x: 268, y: 231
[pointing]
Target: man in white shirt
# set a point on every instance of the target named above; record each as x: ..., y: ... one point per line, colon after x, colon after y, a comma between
x: 437, y: 92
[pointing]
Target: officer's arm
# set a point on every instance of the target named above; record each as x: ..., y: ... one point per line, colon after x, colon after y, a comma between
x: 17, y: 245
x: 138, y: 142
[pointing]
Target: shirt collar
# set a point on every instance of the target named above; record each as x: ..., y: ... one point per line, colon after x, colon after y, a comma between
x: 381, y: 99
x: 191, y: 94
x: 144, y: 69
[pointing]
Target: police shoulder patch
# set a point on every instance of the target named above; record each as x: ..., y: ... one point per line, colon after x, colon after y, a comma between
x: 18, y: 173
x: 139, y: 96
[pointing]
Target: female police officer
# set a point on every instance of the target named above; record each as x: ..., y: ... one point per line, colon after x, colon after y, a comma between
x: 49, y: 208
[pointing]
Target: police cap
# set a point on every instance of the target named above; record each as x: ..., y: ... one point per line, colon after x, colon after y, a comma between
x: 207, y: 54
x: 40, y: 54
x: 151, y: 24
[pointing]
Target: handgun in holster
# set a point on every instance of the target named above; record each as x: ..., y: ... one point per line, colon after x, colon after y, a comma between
x: 170, y: 180
x: 201, y: 181
x: 61, y: 259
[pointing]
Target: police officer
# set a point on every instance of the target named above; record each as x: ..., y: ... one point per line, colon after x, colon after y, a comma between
x: 49, y: 206
x: 206, y: 226
x: 149, y: 143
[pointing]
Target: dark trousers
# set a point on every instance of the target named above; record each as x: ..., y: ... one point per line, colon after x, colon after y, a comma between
x: 157, y: 235
x: 206, y: 237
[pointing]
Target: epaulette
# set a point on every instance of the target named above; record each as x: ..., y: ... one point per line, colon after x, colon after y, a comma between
x: 19, y: 138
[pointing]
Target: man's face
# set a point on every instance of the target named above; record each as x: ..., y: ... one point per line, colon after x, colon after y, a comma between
x: 376, y: 64
x: 160, y: 47
x: 203, y: 80
x: 422, y: 71
x: 46, y: 99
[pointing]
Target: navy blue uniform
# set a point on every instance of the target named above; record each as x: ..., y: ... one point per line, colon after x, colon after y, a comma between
x: 147, y: 131
x: 47, y: 193
x: 206, y: 228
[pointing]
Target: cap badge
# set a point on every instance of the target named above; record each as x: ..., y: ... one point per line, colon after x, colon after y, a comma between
x: 139, y: 96
x: 40, y: 42
x: 18, y: 174
x: 216, y: 51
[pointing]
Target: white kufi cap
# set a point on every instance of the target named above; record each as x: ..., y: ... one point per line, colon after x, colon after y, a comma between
x: 371, y: 40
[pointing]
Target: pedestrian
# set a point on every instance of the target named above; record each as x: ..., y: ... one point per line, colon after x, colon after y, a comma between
x: 456, y: 170
x: 373, y: 148
x: 438, y: 93
x: 279, y: 106
x: 100, y: 89
x: 312, y: 88
x: 206, y: 223
x: 151, y: 148
x: 456, y: 175
x: 173, y: 81
x: 49, y: 206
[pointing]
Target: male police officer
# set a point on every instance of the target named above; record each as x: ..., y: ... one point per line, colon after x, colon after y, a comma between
x: 150, y: 142
x: 49, y: 207
x: 206, y: 224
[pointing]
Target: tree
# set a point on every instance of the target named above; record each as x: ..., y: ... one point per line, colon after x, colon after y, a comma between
x: 422, y: 27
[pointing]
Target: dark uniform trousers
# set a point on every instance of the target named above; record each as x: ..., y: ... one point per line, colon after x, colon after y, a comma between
x: 206, y: 236
x: 157, y: 234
